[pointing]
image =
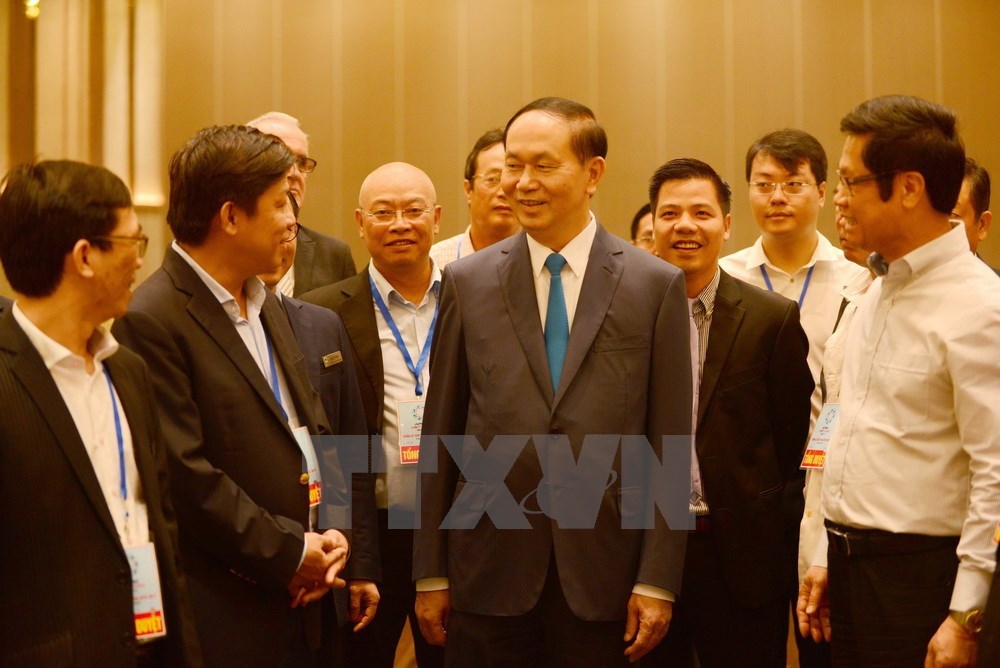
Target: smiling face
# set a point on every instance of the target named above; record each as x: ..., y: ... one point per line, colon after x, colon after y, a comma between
x: 689, y: 229
x: 872, y: 223
x: 401, y: 245
x: 545, y: 182
x: 778, y: 214
x: 261, y: 236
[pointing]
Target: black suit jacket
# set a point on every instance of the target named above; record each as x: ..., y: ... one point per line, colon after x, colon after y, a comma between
x: 65, y: 584
x: 320, y: 260
x: 753, y: 419
x: 352, y: 300
x: 627, y: 371
x: 235, y: 465
x: 320, y: 332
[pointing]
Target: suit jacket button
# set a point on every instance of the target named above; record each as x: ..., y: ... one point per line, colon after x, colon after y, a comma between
x: 304, y: 478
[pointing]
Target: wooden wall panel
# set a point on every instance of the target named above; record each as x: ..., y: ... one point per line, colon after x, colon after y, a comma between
x: 903, y: 47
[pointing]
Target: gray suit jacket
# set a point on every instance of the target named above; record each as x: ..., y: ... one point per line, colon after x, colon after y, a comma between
x: 320, y: 260
x: 627, y: 371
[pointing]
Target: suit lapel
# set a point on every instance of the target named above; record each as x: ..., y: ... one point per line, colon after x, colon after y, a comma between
x: 135, y: 411
x: 303, y: 263
x: 517, y: 283
x: 604, y: 270
x: 37, y: 381
x: 358, y: 315
x: 206, y: 309
x: 289, y: 358
x: 727, y: 316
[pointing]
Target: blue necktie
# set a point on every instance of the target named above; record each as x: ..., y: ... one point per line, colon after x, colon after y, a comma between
x: 556, y: 320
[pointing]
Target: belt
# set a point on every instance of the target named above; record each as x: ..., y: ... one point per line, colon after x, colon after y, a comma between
x: 851, y: 542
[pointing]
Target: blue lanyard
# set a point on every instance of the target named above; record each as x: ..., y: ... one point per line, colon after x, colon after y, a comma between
x: 275, y: 386
x: 805, y: 286
x: 424, y: 354
x: 123, y: 486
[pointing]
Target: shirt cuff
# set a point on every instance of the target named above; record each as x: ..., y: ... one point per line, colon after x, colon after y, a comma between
x: 432, y: 584
x: 654, y: 592
x: 972, y: 587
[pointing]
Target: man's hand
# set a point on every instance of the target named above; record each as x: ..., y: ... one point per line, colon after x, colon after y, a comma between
x: 325, y: 555
x: 647, y: 622
x: 432, y: 608
x: 364, y: 602
x: 951, y: 646
x: 813, y: 607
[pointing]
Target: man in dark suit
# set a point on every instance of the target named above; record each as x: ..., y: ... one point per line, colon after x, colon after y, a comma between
x: 236, y: 405
x: 397, y: 218
x: 973, y: 205
x: 83, y: 479
x: 320, y: 259
x: 752, y: 419
x: 567, y: 331
x: 323, y: 340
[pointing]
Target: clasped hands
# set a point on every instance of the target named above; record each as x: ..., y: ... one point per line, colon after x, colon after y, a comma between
x: 325, y: 557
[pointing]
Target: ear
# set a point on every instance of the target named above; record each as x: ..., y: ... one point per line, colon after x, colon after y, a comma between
x: 437, y: 217
x: 468, y: 192
x: 79, y: 260
x: 821, y: 187
x: 912, y: 188
x: 727, y: 223
x: 595, y: 170
x: 229, y: 215
x: 360, y: 220
x: 985, y: 221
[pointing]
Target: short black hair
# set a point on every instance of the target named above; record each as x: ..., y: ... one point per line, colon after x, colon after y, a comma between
x: 489, y: 139
x: 222, y: 163
x: 790, y: 148
x: 979, y: 186
x: 45, y: 208
x: 690, y: 169
x: 643, y: 210
x: 589, y: 138
x: 910, y: 134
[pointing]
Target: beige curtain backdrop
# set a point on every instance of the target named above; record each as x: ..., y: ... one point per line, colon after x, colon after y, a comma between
x: 418, y: 80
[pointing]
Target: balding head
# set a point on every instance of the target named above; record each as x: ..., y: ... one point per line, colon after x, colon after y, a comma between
x: 286, y: 128
x: 398, y: 217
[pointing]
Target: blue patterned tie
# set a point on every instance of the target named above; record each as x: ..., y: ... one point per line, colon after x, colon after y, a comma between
x: 556, y: 320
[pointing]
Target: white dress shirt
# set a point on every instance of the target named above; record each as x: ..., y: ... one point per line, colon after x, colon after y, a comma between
x: 398, y: 485
x: 916, y: 448
x: 286, y: 284
x: 577, y: 254
x: 88, y: 397
x: 821, y: 301
x: 453, y: 248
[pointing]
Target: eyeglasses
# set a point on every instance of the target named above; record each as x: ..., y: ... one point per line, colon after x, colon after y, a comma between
x: 305, y: 165
x: 141, y: 242
x: 787, y: 187
x: 385, y: 215
x: 291, y: 234
x: 490, y: 181
x: 644, y: 240
x: 849, y: 183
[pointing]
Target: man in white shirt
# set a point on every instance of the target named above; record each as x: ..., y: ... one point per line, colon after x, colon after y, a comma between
x: 912, y: 476
x: 561, y: 332
x: 389, y: 310
x: 89, y: 570
x: 490, y: 216
x: 786, y: 173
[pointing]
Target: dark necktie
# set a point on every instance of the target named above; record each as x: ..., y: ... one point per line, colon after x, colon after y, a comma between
x: 556, y: 320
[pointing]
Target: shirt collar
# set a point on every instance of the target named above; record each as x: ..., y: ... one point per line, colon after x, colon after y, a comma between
x: 101, y: 344
x: 576, y: 252
x: 253, y: 288
x: 707, y: 295
x: 932, y: 254
x: 387, y: 292
x: 857, y: 286
x: 824, y: 252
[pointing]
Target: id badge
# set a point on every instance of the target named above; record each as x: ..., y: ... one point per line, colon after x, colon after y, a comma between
x: 411, y: 421
x: 147, y: 599
x: 815, y: 456
x: 304, y: 440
